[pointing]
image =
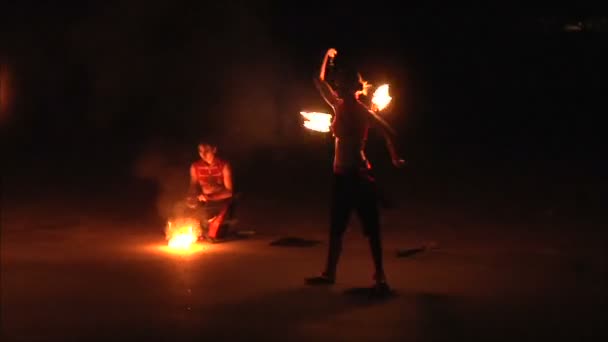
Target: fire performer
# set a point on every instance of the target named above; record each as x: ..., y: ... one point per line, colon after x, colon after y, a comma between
x: 354, y: 186
x: 211, y: 189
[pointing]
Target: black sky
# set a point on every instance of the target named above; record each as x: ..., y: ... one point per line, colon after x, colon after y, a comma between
x: 116, y: 75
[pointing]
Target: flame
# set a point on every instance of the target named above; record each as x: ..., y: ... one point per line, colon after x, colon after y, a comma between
x: 320, y: 122
x: 365, y: 87
x: 381, y: 97
x: 183, y: 233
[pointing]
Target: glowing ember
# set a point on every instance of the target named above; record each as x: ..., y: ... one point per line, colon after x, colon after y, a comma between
x: 381, y: 97
x: 320, y: 122
x: 182, y: 233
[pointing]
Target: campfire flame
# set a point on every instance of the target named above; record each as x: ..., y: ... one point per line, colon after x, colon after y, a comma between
x: 320, y: 122
x: 182, y: 233
x: 381, y: 97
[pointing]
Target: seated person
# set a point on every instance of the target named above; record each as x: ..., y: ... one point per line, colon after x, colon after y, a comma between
x: 211, y: 188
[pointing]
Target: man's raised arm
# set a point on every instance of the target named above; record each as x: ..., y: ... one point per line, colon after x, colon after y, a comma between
x: 327, y: 92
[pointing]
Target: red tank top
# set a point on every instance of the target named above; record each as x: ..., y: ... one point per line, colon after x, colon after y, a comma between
x: 210, y: 175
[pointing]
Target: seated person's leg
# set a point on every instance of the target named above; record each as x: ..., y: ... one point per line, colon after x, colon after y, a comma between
x: 231, y: 203
x: 212, y: 209
x: 219, y: 211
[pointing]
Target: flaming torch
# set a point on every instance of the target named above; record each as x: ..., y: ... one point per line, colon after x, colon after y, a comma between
x: 320, y: 122
x: 381, y: 98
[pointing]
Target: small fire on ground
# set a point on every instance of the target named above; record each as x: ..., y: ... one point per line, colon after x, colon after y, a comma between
x: 183, y: 233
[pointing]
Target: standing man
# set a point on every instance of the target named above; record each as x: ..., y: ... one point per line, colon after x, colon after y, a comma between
x: 354, y: 186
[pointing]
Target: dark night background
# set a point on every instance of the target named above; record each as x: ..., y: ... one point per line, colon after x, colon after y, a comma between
x: 490, y: 104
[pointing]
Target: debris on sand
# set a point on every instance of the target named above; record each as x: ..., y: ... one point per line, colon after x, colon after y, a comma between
x: 404, y: 253
x: 408, y: 252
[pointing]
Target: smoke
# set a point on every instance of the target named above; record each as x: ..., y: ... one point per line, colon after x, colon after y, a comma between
x: 167, y: 167
x: 188, y: 71
x: 173, y: 71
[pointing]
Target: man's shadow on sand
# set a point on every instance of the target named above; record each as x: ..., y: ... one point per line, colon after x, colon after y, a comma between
x: 369, y: 294
x: 276, y: 314
x: 287, y: 314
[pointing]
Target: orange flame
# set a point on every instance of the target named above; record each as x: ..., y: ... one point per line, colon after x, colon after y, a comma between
x: 381, y: 97
x: 182, y: 233
x: 320, y: 122
x: 366, y: 87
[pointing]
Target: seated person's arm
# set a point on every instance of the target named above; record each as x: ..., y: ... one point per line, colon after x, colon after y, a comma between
x: 194, y: 188
x: 227, y: 191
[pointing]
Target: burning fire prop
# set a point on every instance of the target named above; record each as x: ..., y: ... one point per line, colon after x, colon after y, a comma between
x: 315, y: 121
x: 365, y: 87
x: 182, y: 233
x: 381, y: 98
x: 321, y: 122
